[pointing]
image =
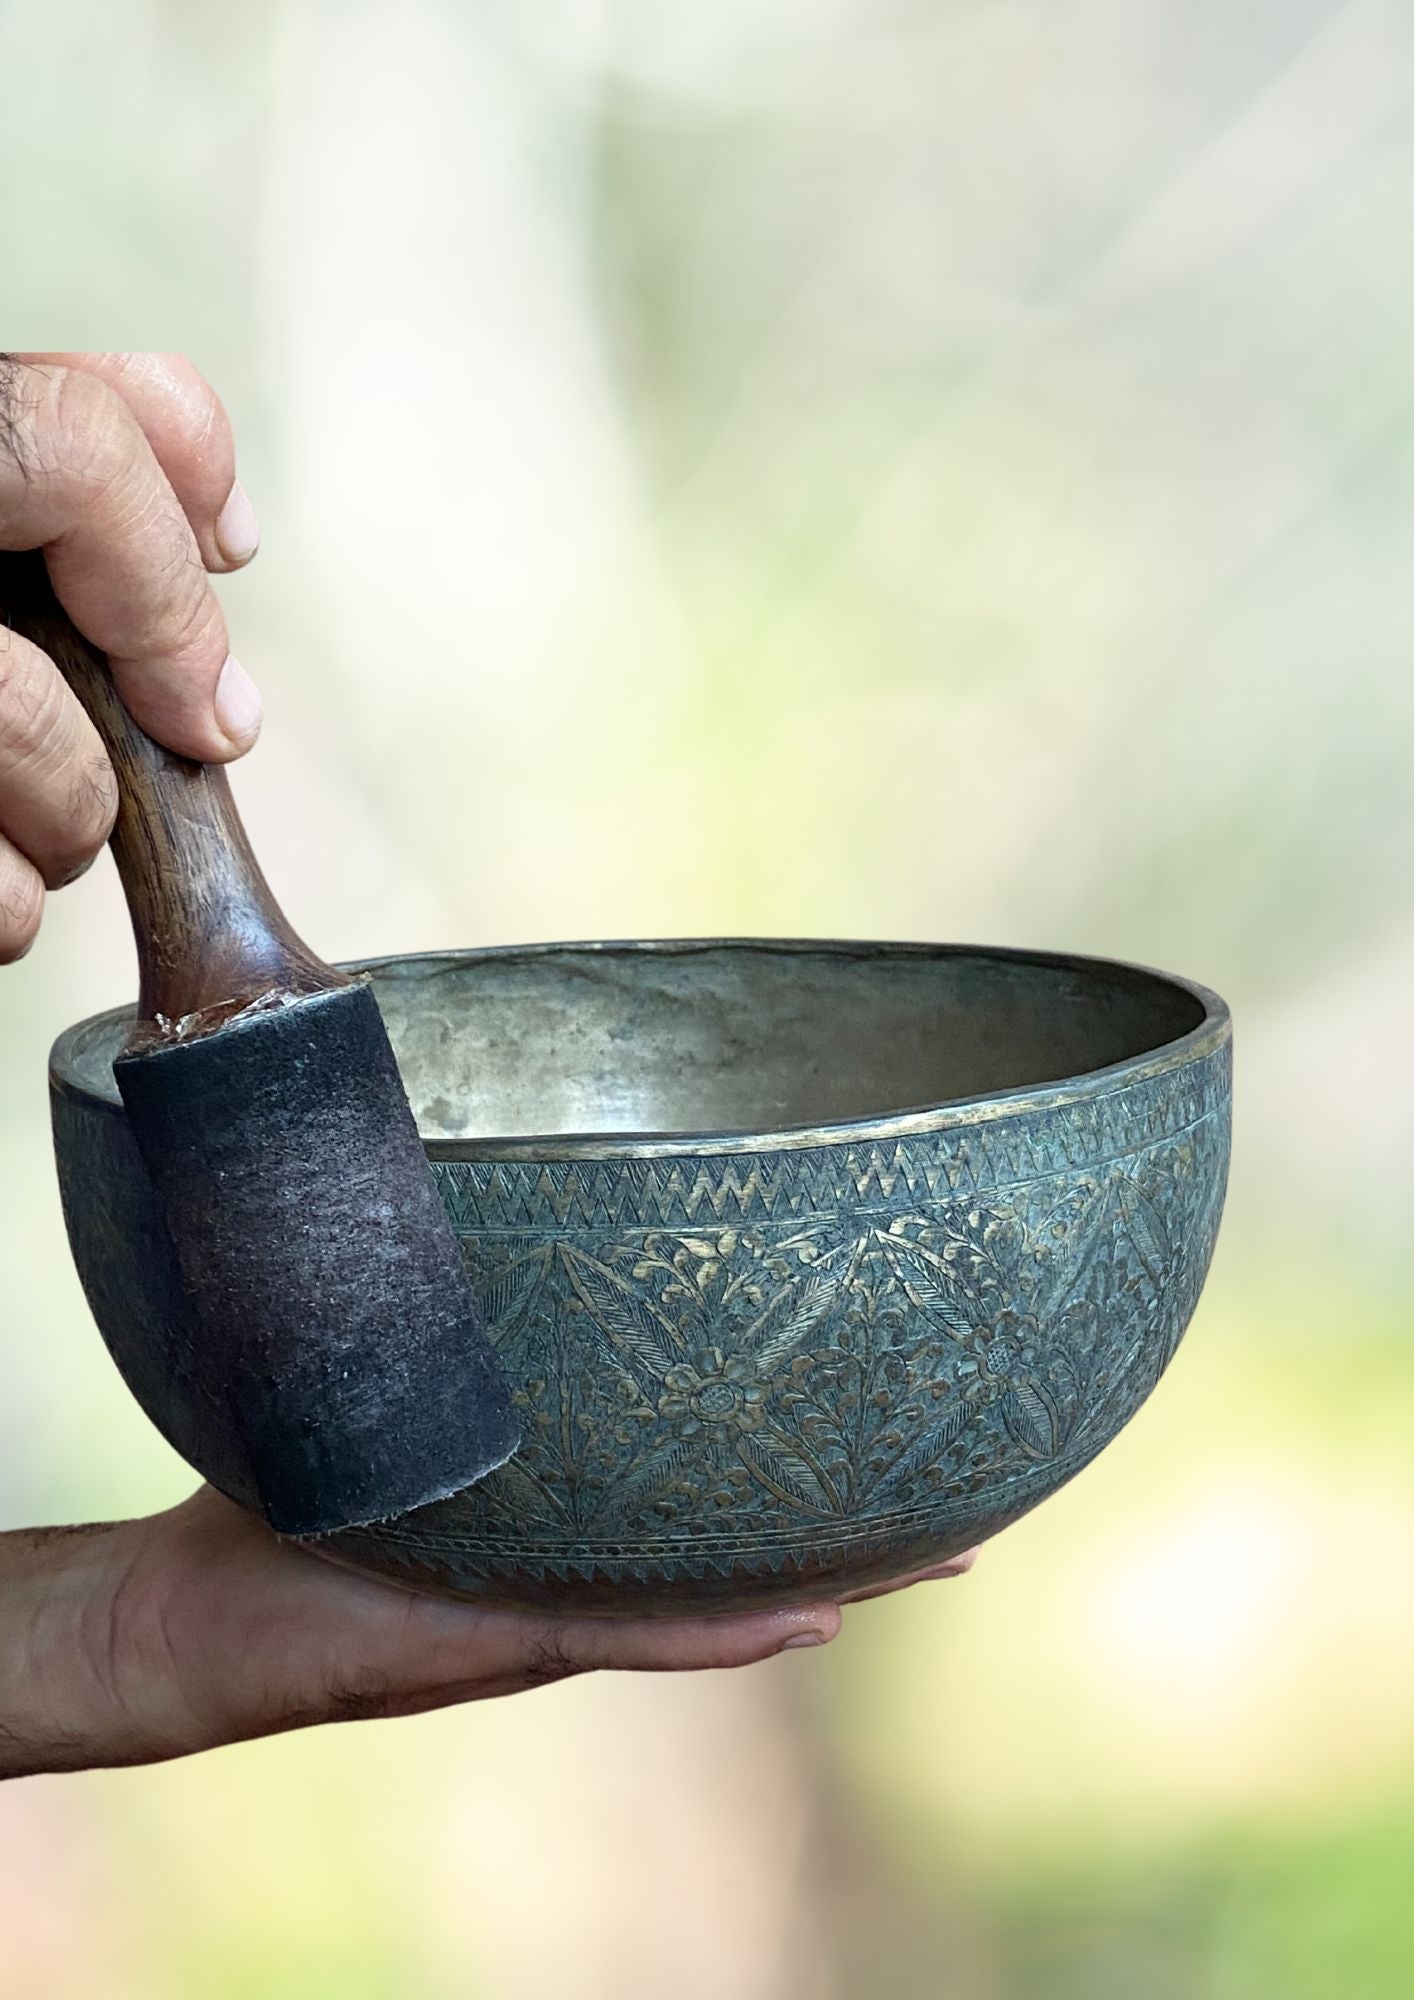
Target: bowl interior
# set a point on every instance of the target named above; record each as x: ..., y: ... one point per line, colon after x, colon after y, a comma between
x: 735, y: 1037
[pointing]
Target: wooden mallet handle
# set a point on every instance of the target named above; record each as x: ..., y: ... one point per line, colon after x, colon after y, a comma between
x: 211, y: 938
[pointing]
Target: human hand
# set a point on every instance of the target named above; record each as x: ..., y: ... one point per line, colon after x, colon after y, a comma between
x: 121, y: 467
x: 137, y: 1641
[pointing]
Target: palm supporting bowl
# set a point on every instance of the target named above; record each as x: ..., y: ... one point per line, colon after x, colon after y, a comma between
x: 810, y: 1263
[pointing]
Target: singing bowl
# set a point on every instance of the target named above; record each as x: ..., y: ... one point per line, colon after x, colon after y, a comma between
x: 811, y: 1263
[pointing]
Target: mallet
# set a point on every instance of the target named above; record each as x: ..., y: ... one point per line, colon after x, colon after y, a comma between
x: 341, y: 1373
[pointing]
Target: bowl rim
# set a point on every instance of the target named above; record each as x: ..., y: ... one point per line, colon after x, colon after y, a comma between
x: 1213, y: 1032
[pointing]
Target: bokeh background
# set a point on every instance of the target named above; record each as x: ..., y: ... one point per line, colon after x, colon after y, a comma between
x: 905, y: 468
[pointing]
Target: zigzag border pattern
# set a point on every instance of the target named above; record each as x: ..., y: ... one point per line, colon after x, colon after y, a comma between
x: 1068, y: 1136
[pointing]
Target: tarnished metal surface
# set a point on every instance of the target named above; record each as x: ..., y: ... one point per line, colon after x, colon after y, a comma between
x: 808, y: 1263
x: 335, y: 1369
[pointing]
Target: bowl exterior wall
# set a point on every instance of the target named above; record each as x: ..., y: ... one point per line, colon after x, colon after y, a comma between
x: 771, y: 1376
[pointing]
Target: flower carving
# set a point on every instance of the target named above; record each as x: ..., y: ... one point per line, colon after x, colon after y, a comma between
x: 729, y: 1365
x: 807, y: 1370
x: 715, y: 1396
x: 1004, y: 1357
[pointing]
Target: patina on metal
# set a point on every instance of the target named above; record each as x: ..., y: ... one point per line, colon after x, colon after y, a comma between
x: 332, y: 1367
x: 810, y: 1263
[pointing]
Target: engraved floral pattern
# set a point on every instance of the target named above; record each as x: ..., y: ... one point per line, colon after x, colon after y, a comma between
x: 847, y: 1349
x: 716, y: 1397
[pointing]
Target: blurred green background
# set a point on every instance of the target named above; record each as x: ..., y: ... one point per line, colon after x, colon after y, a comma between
x: 905, y: 468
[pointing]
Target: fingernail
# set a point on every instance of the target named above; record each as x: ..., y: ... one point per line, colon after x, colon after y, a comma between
x: 238, y: 705
x: 805, y: 1639
x: 237, y: 530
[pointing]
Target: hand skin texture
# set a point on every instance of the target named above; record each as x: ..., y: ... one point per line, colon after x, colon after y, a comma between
x: 122, y: 469
x: 134, y: 1641
x: 141, y: 1640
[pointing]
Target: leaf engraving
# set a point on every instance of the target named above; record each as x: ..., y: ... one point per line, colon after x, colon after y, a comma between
x: 1031, y: 1417
x: 931, y: 1444
x: 935, y: 1329
x: 528, y: 1495
x: 633, y: 1335
x: 808, y: 1307
x: 653, y: 1477
x: 506, y: 1300
x: 924, y: 1277
x: 779, y: 1465
x: 1145, y: 1230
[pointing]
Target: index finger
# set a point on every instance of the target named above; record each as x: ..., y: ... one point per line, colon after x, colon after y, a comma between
x: 185, y: 422
x: 79, y: 480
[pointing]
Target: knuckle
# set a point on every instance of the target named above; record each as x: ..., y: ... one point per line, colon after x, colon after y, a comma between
x: 31, y: 699
x: 94, y: 801
x: 90, y: 433
x: 51, y: 763
x: 90, y: 808
x: 21, y: 908
x: 179, y: 568
x: 196, y: 627
x: 208, y: 431
x: 182, y: 614
x: 17, y: 401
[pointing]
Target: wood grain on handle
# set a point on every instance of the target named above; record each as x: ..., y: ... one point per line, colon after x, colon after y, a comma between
x: 211, y: 939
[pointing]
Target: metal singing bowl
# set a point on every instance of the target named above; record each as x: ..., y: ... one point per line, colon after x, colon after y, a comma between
x: 811, y: 1263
